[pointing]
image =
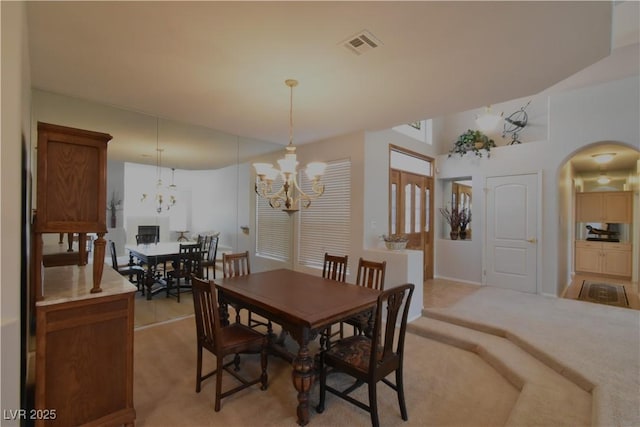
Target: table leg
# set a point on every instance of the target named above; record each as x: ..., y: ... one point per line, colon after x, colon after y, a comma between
x: 303, y: 376
x: 149, y: 280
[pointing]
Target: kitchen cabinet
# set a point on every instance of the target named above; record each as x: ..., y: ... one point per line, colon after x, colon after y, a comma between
x: 84, y: 349
x: 604, y: 206
x: 612, y: 259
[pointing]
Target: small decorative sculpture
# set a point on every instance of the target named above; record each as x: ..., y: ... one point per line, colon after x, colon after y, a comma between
x: 600, y: 232
x: 514, y: 123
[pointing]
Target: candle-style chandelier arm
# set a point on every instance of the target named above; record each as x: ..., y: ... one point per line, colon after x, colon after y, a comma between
x: 290, y: 194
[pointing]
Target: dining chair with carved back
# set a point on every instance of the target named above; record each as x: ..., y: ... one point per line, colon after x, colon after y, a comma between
x: 205, y: 243
x: 189, y: 263
x: 146, y: 239
x: 237, y: 264
x: 370, y: 360
x: 223, y: 341
x: 129, y: 271
x: 334, y: 268
x: 152, y: 239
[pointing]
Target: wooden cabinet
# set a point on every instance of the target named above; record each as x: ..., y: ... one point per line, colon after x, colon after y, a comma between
x: 84, y: 318
x: 71, y: 192
x: 84, y: 349
x: 613, y: 259
x: 604, y: 206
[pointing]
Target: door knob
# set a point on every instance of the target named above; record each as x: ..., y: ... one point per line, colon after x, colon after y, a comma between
x: 532, y: 240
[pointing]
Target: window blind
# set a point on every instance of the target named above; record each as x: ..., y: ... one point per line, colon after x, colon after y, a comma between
x: 325, y: 225
x: 273, y: 229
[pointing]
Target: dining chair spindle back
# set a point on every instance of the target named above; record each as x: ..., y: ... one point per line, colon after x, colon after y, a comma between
x: 223, y: 341
x: 334, y: 268
x: 237, y: 264
x: 189, y: 263
x: 371, y: 274
x: 209, y: 257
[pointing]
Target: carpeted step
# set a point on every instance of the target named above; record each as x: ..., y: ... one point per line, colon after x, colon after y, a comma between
x: 546, y: 396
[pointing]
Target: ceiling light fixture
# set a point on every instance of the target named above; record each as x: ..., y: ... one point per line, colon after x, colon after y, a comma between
x: 488, y: 120
x: 603, y: 179
x: 290, y: 194
x: 603, y: 158
x: 165, y: 196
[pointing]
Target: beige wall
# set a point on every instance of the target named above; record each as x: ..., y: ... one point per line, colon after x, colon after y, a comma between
x: 578, y: 118
x: 15, y: 133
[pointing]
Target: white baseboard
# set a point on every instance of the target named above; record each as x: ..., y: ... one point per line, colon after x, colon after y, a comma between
x: 455, y: 279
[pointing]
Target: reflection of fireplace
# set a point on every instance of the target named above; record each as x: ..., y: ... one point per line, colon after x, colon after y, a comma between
x: 148, y: 234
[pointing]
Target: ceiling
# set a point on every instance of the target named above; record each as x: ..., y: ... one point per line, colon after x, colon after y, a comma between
x: 625, y: 161
x: 222, y: 65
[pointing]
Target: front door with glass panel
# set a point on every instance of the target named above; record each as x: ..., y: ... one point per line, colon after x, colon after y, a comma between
x: 410, y: 207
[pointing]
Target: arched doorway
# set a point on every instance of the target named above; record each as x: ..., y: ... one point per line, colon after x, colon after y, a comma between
x: 603, y: 237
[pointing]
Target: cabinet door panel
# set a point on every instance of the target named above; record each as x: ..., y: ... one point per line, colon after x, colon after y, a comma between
x: 617, y: 263
x: 618, y: 207
x: 589, y: 207
x: 588, y: 260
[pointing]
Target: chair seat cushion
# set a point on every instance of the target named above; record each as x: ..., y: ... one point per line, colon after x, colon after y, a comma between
x: 134, y: 269
x: 354, y: 351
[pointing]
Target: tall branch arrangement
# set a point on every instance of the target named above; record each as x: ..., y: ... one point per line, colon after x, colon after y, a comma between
x: 452, y: 217
x: 464, y: 218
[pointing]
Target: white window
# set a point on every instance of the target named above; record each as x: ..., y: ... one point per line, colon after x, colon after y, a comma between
x: 273, y: 229
x: 325, y: 225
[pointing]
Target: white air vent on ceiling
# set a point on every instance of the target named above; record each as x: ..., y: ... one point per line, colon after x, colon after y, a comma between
x: 361, y: 42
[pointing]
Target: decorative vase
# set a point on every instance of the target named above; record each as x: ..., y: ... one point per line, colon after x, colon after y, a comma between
x: 394, y: 246
x: 463, y: 234
x: 453, y: 235
x: 113, y: 218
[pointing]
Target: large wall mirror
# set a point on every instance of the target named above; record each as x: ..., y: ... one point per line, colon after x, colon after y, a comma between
x: 206, y: 171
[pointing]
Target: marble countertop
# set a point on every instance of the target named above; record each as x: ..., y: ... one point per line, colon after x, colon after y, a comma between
x: 72, y: 282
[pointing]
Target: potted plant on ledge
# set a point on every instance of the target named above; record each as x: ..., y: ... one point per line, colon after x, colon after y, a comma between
x: 453, y: 219
x: 474, y: 141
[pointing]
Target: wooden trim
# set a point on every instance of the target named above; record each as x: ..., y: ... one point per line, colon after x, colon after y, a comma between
x: 393, y: 147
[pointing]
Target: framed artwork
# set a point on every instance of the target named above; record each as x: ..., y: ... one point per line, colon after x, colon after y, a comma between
x: 420, y: 130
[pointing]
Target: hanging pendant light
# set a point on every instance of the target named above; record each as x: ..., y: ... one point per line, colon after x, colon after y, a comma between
x: 290, y: 195
x: 603, y: 179
x: 165, y: 196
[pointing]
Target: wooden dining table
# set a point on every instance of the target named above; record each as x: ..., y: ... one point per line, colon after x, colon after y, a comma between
x: 303, y: 304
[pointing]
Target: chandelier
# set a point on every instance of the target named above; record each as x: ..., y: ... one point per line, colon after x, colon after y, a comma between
x: 290, y: 195
x: 165, y: 197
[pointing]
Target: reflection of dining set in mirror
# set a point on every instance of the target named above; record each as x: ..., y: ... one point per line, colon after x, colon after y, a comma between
x: 168, y: 265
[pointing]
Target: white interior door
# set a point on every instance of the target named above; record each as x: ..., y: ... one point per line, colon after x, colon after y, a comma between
x: 512, y: 232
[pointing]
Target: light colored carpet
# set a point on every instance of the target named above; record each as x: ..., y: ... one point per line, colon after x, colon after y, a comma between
x: 444, y: 386
x: 595, y: 343
x: 547, y: 398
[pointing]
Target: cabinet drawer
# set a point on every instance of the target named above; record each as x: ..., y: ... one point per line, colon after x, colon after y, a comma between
x: 617, y: 246
x: 586, y: 244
